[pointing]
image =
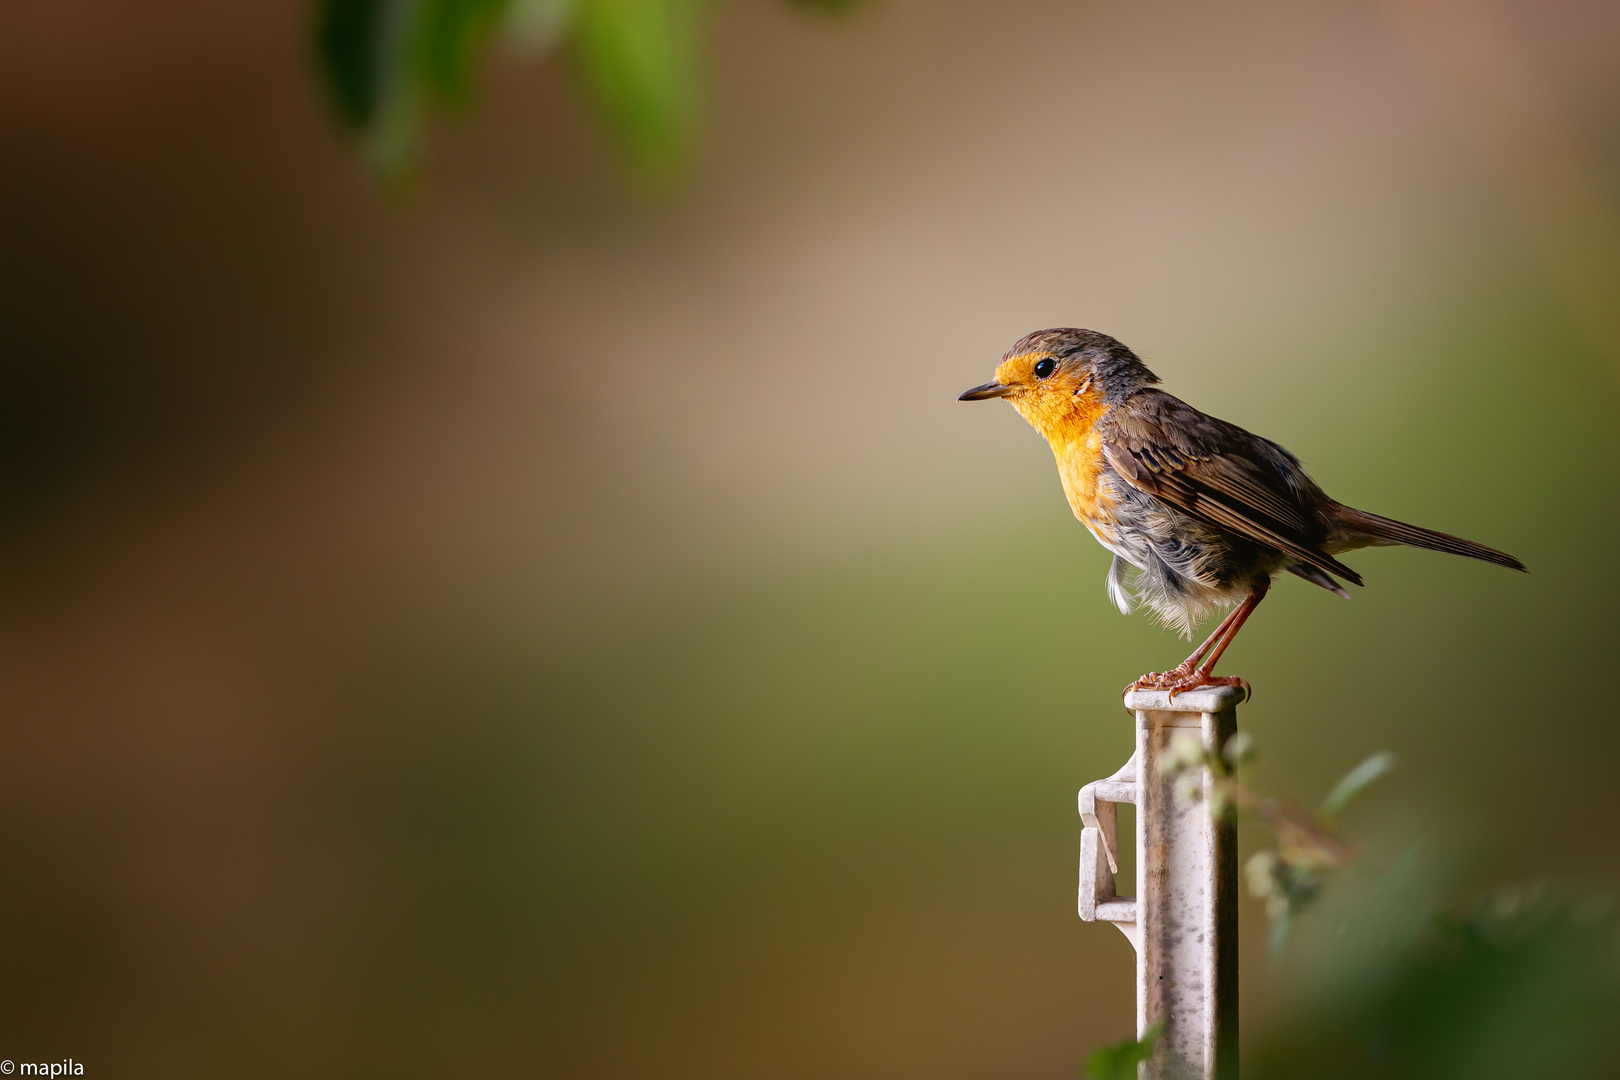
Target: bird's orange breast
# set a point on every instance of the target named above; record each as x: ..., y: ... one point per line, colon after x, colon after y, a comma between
x: 1078, y: 447
x: 1080, y: 467
x: 1070, y: 427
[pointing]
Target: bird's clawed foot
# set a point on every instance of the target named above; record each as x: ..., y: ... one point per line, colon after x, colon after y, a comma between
x: 1184, y: 677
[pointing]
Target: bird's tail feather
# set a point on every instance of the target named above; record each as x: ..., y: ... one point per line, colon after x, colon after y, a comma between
x: 1399, y: 532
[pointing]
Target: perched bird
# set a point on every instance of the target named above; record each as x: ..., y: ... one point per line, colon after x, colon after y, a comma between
x: 1205, y: 512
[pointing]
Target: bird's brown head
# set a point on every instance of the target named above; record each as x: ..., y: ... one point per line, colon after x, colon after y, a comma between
x: 1056, y: 377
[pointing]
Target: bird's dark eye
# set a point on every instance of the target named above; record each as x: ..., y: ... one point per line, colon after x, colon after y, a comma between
x: 1045, y: 368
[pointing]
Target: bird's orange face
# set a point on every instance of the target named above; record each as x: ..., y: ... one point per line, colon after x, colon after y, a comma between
x: 1057, y: 396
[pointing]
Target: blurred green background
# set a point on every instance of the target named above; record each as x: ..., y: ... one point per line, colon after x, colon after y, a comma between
x: 531, y: 623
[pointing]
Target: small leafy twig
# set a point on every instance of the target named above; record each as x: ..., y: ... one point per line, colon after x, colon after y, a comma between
x: 1307, y: 848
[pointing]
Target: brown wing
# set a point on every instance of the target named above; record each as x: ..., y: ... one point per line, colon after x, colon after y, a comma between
x: 1219, y: 474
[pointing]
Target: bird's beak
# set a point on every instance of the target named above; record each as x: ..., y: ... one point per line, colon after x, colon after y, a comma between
x: 988, y: 390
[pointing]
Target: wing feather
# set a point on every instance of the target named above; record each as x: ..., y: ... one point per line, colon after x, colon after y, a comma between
x: 1217, y: 473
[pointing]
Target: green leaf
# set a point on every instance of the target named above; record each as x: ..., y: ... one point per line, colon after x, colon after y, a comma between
x: 348, y: 34
x: 448, y: 37
x: 639, y: 57
x: 383, y: 58
x: 1119, y: 1062
x: 1357, y: 779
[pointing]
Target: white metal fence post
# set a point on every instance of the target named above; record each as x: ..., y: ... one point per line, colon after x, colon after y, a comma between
x: 1183, y: 918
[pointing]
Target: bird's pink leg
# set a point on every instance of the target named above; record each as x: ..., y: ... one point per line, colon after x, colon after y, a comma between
x: 1187, y: 666
x: 1190, y: 674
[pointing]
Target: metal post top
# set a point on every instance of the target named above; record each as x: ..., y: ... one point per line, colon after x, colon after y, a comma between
x: 1208, y: 699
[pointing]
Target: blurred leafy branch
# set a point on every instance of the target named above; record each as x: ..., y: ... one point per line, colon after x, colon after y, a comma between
x: 1307, y: 847
x: 385, y: 62
x: 1522, y: 983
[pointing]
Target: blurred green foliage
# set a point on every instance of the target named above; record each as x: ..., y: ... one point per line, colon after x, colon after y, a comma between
x: 383, y: 60
x: 1524, y: 983
x: 1119, y: 1062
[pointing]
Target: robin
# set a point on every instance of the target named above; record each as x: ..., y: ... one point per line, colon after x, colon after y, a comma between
x: 1203, y: 511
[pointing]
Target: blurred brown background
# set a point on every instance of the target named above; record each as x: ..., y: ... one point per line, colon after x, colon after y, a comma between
x: 530, y: 625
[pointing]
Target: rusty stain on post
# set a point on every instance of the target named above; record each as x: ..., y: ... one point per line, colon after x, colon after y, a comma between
x: 1183, y: 919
